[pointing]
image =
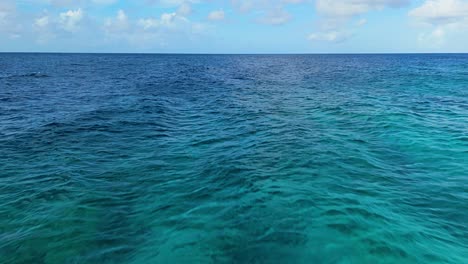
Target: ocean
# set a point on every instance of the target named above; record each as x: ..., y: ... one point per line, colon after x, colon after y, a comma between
x: 139, y: 158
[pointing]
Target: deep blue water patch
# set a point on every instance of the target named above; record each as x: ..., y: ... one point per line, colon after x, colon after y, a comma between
x: 233, y: 158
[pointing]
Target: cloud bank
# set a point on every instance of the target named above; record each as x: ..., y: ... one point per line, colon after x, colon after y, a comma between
x: 162, y: 23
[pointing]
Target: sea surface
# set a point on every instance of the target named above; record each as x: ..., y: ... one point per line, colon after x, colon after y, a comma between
x: 347, y: 159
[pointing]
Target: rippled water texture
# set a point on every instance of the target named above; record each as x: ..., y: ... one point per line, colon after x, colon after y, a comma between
x: 233, y: 159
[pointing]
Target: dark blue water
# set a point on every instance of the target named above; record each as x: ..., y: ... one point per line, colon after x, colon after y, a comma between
x: 233, y: 159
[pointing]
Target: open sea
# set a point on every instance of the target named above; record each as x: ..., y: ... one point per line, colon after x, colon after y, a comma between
x: 346, y: 159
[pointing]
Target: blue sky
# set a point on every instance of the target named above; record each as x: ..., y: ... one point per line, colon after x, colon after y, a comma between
x: 234, y: 26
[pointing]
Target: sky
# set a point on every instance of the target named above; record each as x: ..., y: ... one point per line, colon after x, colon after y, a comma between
x: 234, y: 26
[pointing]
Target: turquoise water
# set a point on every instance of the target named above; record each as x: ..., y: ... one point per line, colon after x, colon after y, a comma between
x: 233, y: 159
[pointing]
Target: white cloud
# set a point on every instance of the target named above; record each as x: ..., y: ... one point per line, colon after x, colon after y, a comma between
x: 121, y: 23
x: 43, y: 27
x: 150, y: 31
x: 167, y: 19
x: 216, y: 15
x: 42, y: 22
x: 148, y: 23
x: 118, y: 24
x: 173, y: 21
x: 441, y: 11
x: 440, y: 18
x: 48, y: 26
x: 69, y: 21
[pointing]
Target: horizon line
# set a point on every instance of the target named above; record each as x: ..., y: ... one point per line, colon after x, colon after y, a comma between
x: 201, y: 53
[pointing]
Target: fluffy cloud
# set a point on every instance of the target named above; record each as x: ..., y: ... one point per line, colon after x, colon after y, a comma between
x: 148, y: 23
x: 442, y: 17
x: 335, y: 16
x: 336, y: 20
x: 150, y: 31
x: 71, y: 19
x: 216, y: 15
x: 68, y: 21
x: 58, y: 23
x: 42, y: 22
x: 439, y: 12
x: 50, y: 26
x: 43, y: 29
x: 117, y: 25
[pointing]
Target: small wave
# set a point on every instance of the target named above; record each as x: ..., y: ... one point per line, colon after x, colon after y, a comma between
x: 34, y: 75
x: 25, y: 75
x: 242, y: 78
